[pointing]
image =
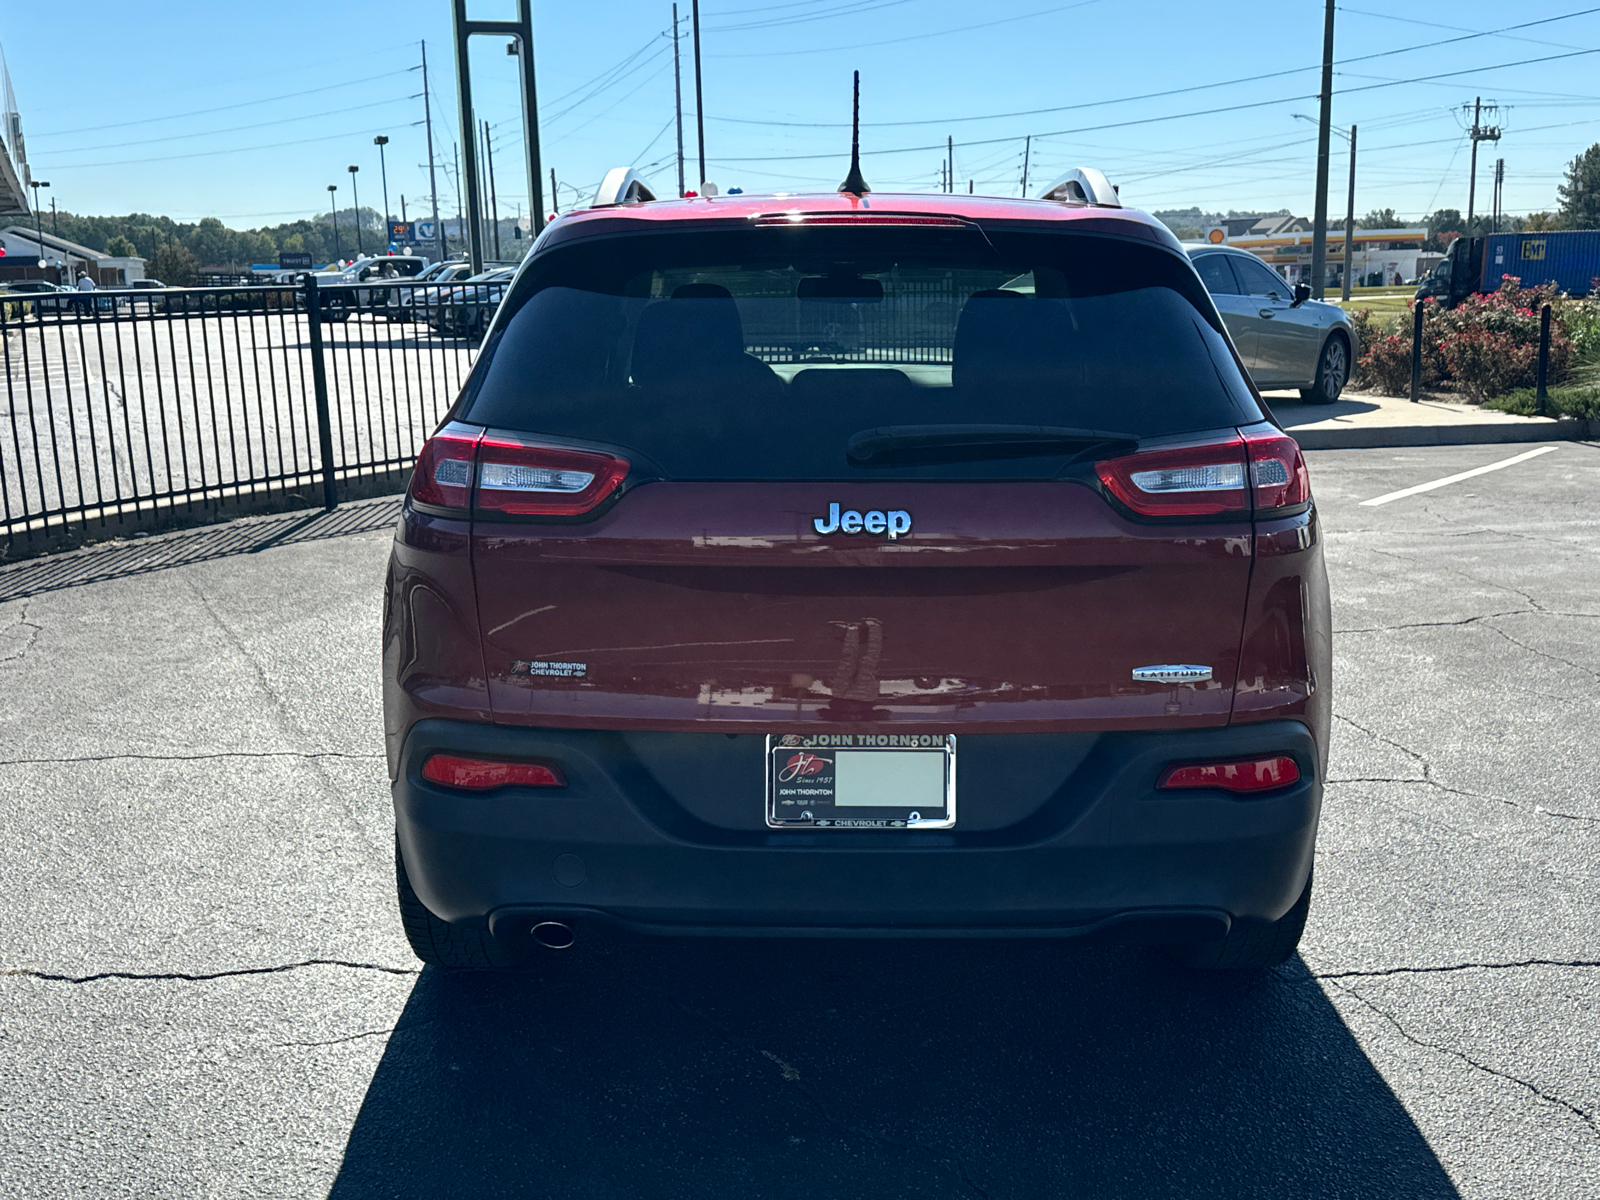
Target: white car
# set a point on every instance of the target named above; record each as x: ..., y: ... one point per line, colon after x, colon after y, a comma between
x: 340, y: 301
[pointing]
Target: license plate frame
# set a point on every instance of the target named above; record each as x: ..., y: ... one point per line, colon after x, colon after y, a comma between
x: 801, y: 794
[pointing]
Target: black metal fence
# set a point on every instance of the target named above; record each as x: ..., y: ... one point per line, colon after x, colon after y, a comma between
x: 120, y: 405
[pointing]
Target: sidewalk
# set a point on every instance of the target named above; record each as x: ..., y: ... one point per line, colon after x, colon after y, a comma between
x: 1361, y: 420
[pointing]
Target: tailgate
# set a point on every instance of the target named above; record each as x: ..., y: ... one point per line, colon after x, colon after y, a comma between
x: 1009, y: 607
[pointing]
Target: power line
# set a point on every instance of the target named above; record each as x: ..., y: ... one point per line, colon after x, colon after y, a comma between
x: 124, y: 162
x: 850, y: 8
x: 915, y: 37
x: 183, y: 137
x: 1199, y: 87
x: 200, y: 112
x: 1183, y: 115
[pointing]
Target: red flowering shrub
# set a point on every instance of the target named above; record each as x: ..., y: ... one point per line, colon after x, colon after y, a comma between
x: 1488, y: 344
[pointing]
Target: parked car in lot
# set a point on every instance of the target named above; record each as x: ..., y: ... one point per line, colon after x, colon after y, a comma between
x: 791, y: 566
x: 1287, y: 340
x: 410, y: 303
x: 466, y: 308
x: 41, y: 295
x: 338, y: 302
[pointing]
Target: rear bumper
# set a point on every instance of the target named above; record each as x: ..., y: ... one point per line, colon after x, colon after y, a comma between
x: 1105, y: 855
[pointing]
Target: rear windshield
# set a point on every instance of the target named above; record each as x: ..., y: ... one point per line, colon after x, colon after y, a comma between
x: 760, y: 353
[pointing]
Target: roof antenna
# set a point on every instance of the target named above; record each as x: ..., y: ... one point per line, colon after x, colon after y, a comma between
x: 853, y: 183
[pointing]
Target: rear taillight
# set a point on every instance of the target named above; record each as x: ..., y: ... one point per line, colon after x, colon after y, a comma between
x: 1243, y: 775
x: 510, y: 477
x: 483, y: 774
x: 1180, y: 481
x: 544, y: 480
x: 1277, y: 471
x: 1209, y: 479
x: 443, y: 474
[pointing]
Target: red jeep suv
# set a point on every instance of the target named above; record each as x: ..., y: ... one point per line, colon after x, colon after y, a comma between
x: 857, y: 566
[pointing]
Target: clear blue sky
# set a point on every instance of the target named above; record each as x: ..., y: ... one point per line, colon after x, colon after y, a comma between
x: 249, y: 111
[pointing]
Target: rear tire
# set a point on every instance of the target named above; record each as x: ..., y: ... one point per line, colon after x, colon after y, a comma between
x: 453, y: 947
x: 1333, y: 372
x: 1253, y: 947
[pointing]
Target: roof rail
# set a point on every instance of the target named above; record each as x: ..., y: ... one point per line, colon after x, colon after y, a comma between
x: 1084, y: 185
x: 621, y: 186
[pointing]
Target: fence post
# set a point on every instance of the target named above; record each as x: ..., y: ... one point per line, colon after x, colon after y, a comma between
x: 1416, y: 349
x: 1541, y: 397
x: 319, y: 379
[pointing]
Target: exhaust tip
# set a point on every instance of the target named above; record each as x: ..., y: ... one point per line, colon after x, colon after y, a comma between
x: 553, y: 935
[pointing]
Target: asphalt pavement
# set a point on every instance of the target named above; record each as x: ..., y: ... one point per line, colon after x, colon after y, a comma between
x: 205, y: 991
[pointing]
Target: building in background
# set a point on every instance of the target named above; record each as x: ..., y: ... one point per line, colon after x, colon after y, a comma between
x: 1381, y: 257
x: 30, y: 255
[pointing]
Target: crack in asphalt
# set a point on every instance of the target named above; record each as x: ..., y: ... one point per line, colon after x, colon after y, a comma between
x: 1472, y: 529
x: 1537, y: 809
x: 354, y: 1037
x: 1513, y: 612
x: 1446, y: 968
x: 286, y: 718
x: 1583, y: 1114
x: 1411, y: 561
x: 205, y: 977
x: 22, y: 622
x: 792, y: 1077
x: 1590, y: 671
x: 1426, y: 779
x: 88, y: 758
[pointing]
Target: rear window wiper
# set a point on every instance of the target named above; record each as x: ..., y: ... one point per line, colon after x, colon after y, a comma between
x: 899, y: 445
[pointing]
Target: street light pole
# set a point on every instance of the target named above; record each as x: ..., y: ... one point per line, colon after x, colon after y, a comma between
x: 333, y: 209
x: 1350, y: 220
x: 356, y: 199
x: 1319, y: 228
x: 38, y: 225
x: 383, y: 167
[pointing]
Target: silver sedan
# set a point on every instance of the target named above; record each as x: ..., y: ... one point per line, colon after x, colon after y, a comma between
x: 1286, y: 340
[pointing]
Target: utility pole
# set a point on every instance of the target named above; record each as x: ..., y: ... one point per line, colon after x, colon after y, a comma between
x: 1499, y: 191
x: 555, y: 200
x: 699, y: 105
x: 480, y: 214
x: 1480, y: 133
x: 1350, y: 221
x: 949, y: 164
x: 494, y: 200
x: 402, y: 208
x: 677, y: 93
x: 455, y: 149
x: 1027, y: 152
x: 1319, y: 228
x: 433, y: 183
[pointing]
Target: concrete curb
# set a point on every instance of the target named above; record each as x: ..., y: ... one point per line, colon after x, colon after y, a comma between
x: 1372, y: 437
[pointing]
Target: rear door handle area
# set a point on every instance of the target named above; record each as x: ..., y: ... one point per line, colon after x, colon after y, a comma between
x: 1268, y: 313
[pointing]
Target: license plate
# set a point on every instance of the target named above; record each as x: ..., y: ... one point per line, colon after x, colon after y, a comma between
x: 861, y: 781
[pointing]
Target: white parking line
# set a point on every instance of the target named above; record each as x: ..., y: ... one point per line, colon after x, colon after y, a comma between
x: 1439, y: 483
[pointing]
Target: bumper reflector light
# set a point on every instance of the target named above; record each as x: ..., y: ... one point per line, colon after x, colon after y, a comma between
x: 1245, y: 775
x: 483, y: 774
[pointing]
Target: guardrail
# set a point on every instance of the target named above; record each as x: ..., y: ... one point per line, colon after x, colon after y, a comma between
x: 136, y: 409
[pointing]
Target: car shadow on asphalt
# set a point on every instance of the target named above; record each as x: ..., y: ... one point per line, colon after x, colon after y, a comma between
x: 645, y: 1068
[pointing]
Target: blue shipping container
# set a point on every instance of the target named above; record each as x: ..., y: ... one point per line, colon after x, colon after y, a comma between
x: 1570, y: 259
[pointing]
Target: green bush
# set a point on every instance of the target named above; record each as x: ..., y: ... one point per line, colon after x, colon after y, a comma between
x: 1562, y: 402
